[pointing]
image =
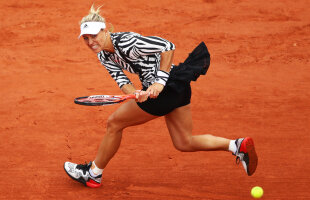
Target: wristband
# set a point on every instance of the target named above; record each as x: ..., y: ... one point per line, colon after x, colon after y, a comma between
x: 161, y: 77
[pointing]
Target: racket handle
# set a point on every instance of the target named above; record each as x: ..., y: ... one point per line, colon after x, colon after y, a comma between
x: 132, y: 96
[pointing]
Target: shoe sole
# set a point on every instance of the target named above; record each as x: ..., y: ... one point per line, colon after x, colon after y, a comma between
x: 253, y: 159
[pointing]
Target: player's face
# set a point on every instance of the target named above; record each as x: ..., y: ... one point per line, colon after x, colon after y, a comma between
x: 95, y: 42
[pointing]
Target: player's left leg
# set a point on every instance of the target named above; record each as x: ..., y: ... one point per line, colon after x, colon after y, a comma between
x: 179, y: 123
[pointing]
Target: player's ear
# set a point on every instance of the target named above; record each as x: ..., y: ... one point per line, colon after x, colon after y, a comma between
x: 110, y: 27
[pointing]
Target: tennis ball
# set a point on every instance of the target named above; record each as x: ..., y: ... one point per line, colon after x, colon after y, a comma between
x: 257, y: 192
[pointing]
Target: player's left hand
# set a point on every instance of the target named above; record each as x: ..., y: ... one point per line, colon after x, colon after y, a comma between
x: 154, y: 90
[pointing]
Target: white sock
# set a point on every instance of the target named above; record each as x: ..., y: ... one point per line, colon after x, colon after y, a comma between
x: 96, y: 171
x: 232, y: 146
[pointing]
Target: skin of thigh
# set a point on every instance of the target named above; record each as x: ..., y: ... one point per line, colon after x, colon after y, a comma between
x: 128, y: 114
x: 179, y: 123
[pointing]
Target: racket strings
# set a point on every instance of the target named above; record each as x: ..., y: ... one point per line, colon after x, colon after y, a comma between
x: 98, y: 100
x: 110, y: 99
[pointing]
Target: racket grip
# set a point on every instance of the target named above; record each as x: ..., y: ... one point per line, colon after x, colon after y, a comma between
x: 133, y: 96
x: 137, y: 92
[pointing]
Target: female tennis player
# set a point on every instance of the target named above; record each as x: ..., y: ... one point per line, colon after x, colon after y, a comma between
x: 166, y: 92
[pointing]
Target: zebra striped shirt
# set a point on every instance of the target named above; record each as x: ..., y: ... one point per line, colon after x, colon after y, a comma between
x: 141, y: 51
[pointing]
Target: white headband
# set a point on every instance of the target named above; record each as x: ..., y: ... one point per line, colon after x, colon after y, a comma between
x: 92, y: 28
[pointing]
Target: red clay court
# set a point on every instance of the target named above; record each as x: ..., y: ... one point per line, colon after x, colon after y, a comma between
x: 258, y: 85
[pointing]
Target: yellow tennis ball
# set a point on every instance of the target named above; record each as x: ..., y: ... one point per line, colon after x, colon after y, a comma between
x: 257, y: 192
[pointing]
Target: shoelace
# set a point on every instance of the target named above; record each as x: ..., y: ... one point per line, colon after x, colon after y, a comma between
x: 238, y: 157
x: 237, y: 160
x: 84, y: 167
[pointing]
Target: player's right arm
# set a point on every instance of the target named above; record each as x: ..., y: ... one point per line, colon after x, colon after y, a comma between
x: 123, y: 81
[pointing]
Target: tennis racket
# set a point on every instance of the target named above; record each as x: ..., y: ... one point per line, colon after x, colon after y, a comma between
x: 102, y: 100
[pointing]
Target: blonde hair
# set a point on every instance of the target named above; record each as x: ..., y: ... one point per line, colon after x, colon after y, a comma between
x: 94, y: 16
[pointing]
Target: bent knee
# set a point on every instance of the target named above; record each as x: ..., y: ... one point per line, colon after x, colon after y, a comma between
x: 113, y: 124
x: 184, y: 146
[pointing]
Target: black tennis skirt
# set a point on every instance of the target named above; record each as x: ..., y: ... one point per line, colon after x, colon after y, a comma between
x: 177, y: 91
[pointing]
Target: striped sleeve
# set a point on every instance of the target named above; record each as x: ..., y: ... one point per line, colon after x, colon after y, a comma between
x: 116, y: 73
x: 137, y: 45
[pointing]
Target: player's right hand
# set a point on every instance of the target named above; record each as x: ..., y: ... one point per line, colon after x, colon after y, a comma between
x: 141, y: 95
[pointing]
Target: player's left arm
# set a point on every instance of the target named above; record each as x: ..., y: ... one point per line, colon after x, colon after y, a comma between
x: 162, y: 75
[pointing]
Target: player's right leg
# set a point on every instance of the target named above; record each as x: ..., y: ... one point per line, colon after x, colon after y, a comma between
x: 82, y: 174
x: 128, y: 114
